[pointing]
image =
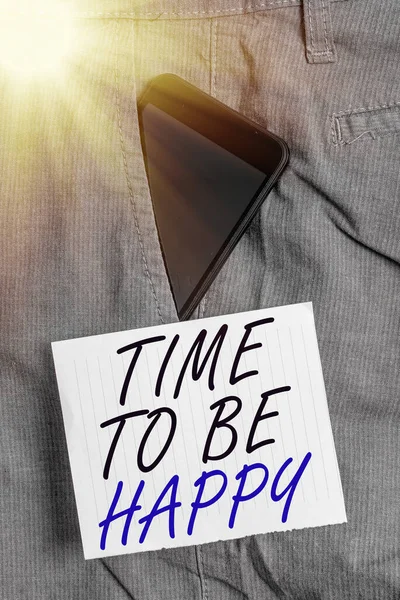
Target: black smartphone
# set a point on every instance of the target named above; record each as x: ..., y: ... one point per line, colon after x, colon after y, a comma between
x: 209, y: 169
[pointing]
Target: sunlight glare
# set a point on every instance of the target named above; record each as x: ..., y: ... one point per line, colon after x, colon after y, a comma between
x: 35, y: 37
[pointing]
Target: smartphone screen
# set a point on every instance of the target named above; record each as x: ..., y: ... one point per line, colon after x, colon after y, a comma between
x: 208, y: 169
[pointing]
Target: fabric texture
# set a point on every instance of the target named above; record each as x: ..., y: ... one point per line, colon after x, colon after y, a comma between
x: 80, y: 256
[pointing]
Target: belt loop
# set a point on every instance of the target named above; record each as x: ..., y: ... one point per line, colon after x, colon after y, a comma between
x: 320, y: 47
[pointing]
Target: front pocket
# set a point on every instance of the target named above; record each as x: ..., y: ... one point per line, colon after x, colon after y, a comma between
x: 365, y: 123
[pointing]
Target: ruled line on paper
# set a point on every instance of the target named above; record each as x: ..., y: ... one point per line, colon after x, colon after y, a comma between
x: 242, y: 483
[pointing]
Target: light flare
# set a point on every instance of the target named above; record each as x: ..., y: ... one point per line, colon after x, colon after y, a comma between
x: 35, y: 37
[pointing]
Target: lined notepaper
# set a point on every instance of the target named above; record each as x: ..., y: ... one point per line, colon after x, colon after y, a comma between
x: 187, y: 456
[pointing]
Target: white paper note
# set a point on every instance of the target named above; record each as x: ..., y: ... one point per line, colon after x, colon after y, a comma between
x: 198, y: 431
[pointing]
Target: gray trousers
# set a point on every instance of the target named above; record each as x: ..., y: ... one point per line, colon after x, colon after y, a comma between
x: 80, y: 256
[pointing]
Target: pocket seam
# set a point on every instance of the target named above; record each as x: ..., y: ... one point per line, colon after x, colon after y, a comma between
x: 338, y: 118
x: 131, y: 194
x: 190, y: 14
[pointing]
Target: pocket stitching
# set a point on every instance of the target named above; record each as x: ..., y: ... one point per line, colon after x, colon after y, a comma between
x: 336, y: 130
x: 128, y: 179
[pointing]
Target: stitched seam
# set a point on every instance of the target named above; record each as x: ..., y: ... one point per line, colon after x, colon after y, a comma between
x: 205, y: 300
x: 323, y: 53
x: 335, y: 130
x: 367, y: 134
x: 353, y: 111
x: 213, y: 67
x: 325, y: 28
x: 128, y: 181
x: 213, y: 58
x: 213, y: 46
x: 200, y: 568
x: 205, y: 580
x: 117, y: 15
x: 327, y: 51
x: 336, y: 118
x: 375, y: 134
x: 138, y: 15
x: 337, y: 136
x: 310, y: 22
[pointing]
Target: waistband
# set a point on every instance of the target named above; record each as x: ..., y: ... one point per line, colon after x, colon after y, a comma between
x: 319, y: 42
x: 157, y: 9
x: 179, y: 9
